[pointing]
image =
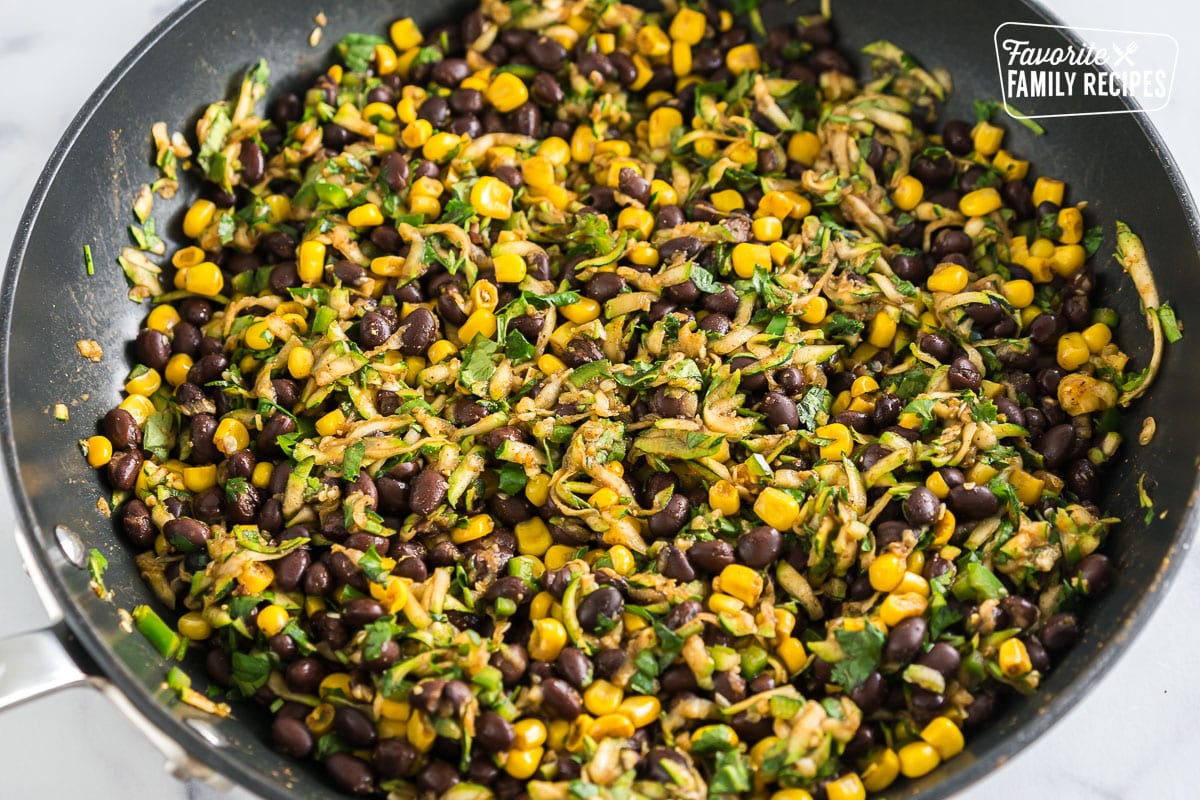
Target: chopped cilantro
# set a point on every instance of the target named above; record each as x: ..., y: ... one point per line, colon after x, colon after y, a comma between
x: 863, y: 650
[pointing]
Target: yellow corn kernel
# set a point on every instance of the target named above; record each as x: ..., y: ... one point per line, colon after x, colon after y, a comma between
x: 272, y: 619
x: 197, y: 479
x: 140, y: 407
x: 1019, y: 292
x: 405, y: 34
x: 814, y: 310
x: 1027, y: 487
x: 908, y: 193
x: 643, y: 254
x: 943, y: 529
x: 416, y: 133
x: 741, y: 582
x: 477, y: 527
x: 987, y: 138
x: 937, y: 484
x: 606, y: 43
x: 1048, y: 190
x: 791, y: 794
x: 882, y: 330
x: 604, y: 498
x: 99, y: 451
x: 663, y: 122
x: 742, y: 58
x: 1041, y: 248
x: 1014, y: 658
x: 886, y: 572
x: 1073, y: 351
x: 548, y: 639
x: 555, y: 150
x: 507, y: 92
x: 1097, y: 336
x: 176, y: 371
x: 420, y: 732
x: 687, y: 26
x: 777, y: 508
x: 614, y: 147
x: 898, y: 607
x: 320, y: 719
x: 145, y: 384
x: 1039, y: 269
x: 583, y: 144
x: 622, y: 559
x: 198, y: 217
x: 1068, y: 259
x: 602, y: 697
x: 1011, y: 168
x: 261, y: 476
x: 948, y: 277
x: 385, y: 59
x: 917, y: 759
x: 441, y: 146
x: 310, y: 261
x: 395, y: 710
x: 980, y: 202
x: 522, y: 764
x: 366, y: 215
x: 163, y: 318
x: 705, y: 148
x: 727, y: 200
x: 742, y: 152
x: 723, y: 496
x: 720, y: 603
x: 662, y: 194
x: 538, y: 172
x: 652, y: 42
x: 842, y: 442
x: 785, y: 623
x: 279, y: 208
x: 259, y: 336
x: 537, y: 490
x: 883, y: 767
x: 256, y: 577
x: 913, y: 583
x: 640, y: 709
x: 804, y: 147
x: 429, y: 207
x: 550, y: 363
x: 204, y: 279
x: 638, y: 220
x: 492, y: 197
x: 300, y: 362
x: 528, y: 734
x: 863, y: 384
x: 791, y: 652
x: 231, y: 436
x: 1070, y: 222
x: 767, y: 229
x: 331, y: 423
x: 406, y: 110
x: 194, y: 626
x: 440, y: 350
x: 481, y: 323
x: 847, y: 787
x: 681, y: 58
x: 615, y: 726
x: 916, y: 562
x: 944, y: 735
x: 484, y: 295
x: 748, y: 257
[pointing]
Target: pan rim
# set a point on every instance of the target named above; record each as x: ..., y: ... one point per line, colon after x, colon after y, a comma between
x: 223, y: 762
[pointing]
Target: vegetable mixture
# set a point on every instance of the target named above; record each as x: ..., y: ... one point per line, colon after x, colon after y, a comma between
x: 580, y: 401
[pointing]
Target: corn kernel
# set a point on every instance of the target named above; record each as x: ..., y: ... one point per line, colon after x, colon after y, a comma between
x: 416, y: 133
x: 882, y: 329
x: 366, y: 215
x: 197, y: 479
x: 681, y: 58
x: 847, y: 787
x: 1097, y: 336
x: 641, y: 709
x: 176, y: 371
x: 652, y: 42
x: 638, y: 220
x: 1070, y: 222
x: 841, y: 443
x: 231, y: 436
x: 767, y: 229
x: 948, y: 277
x: 522, y: 764
x: 908, y: 193
x: 622, y: 559
x: 550, y: 363
x: 791, y: 794
x: 741, y: 582
x: 256, y: 577
x: 261, y: 476
x: 1068, y: 259
x: 441, y: 146
x: 528, y: 734
x: 481, y: 323
x: 198, y: 217
x: 943, y: 529
x: 1048, y: 190
x: 687, y: 26
x: 1019, y: 292
x: 420, y: 732
x: 1011, y: 168
x: 615, y: 726
x: 492, y: 197
x: 643, y: 254
x: 140, y: 407
x: 814, y: 310
x: 987, y: 138
x: 791, y: 652
x: 548, y: 639
x: 748, y: 257
x: 723, y: 497
x: 602, y: 697
x: 145, y: 384
x: 331, y: 423
x: 883, y: 767
x: 980, y: 202
x: 537, y: 490
x: 194, y: 626
x: 1014, y: 658
x: 727, y: 200
x: 742, y: 58
x: 204, y: 279
x: 538, y: 172
x: 944, y: 735
x: 898, y: 607
x: 804, y: 147
x: 310, y: 261
x: 300, y: 362
x: 405, y: 34
x: 662, y: 193
x: 777, y: 508
x: 163, y: 318
x: 663, y: 122
x: 507, y: 92
x: 440, y: 350
x: 476, y: 527
x: 917, y: 759
x: 886, y: 572
x: 1073, y: 351
x: 99, y: 451
x: 272, y: 619
x: 720, y: 603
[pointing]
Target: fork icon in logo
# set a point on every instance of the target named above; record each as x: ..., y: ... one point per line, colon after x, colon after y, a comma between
x: 1124, y: 55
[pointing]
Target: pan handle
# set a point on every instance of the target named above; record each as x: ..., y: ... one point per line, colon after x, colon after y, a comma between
x: 40, y: 662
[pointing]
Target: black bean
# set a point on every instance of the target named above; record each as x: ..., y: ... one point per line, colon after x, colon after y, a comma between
x: 672, y: 518
x: 546, y: 53
x: 716, y: 323
x: 933, y: 171
x: 689, y: 246
x: 864, y: 740
x: 722, y: 302
x: 373, y: 330
x: 760, y: 547
x: 729, y: 685
x: 574, y: 667
x: 682, y: 614
x: 493, y: 732
x: 974, y: 503
x: 600, y: 608
x: 888, y: 408
x: 123, y: 469
x: 630, y: 182
x: 1010, y: 410
x: 1046, y: 328
x: 359, y: 612
x: 121, y: 429
x: 1021, y: 613
x: 435, y: 110
x: 466, y: 101
x: 651, y: 766
x: 561, y: 699
x: 527, y: 119
x: 710, y: 557
x: 276, y: 425
x: 604, y: 286
x: 937, y: 346
x: 1093, y: 574
x: 250, y: 155
x: 790, y: 380
x: 957, y: 137
x: 286, y: 108
x: 1019, y: 198
x: 352, y: 774
x: 910, y: 267
x: 152, y: 348
x: 135, y: 521
x: 418, y: 332
x: 395, y: 758
x: 676, y: 566
x: 780, y: 412
x: 943, y: 658
x: 287, y: 392
x: 354, y: 727
x: 666, y: 218
x: 186, y: 339
x: 973, y: 178
x: 1055, y: 445
x: 904, y: 640
x: 1060, y: 632
x: 395, y: 171
x: 304, y: 675
x: 343, y: 570
x: 427, y: 491
x: 921, y: 507
x: 546, y: 90
x: 292, y: 737
x: 450, y: 72
x: 950, y: 240
x: 289, y: 570
x: 278, y: 244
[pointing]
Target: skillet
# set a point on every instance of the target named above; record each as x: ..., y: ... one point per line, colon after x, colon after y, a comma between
x: 83, y: 197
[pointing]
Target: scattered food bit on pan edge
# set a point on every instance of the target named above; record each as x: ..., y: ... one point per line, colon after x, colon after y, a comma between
x: 584, y: 402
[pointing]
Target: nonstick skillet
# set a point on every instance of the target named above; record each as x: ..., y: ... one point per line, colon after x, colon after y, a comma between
x: 83, y: 197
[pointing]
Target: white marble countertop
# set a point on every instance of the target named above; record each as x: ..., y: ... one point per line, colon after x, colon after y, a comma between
x: 1135, y: 735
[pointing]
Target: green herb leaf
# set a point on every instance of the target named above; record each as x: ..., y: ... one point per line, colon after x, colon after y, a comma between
x: 941, y: 614
x: 704, y: 280
x: 352, y: 460
x: 478, y: 364
x: 235, y: 487
x: 250, y: 672
x: 839, y: 325
x: 512, y: 479
x: 357, y: 49
x: 1092, y: 240
x: 226, y: 228
x: 985, y: 110
x: 518, y: 348
x: 733, y: 768
x: 159, y: 435
x: 814, y: 406
x: 978, y: 583
x: 863, y: 650
x: 372, y: 566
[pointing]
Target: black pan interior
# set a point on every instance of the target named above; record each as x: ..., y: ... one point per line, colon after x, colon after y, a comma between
x: 1116, y: 162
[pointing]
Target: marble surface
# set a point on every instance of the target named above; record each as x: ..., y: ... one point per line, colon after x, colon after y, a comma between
x: 1135, y: 734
